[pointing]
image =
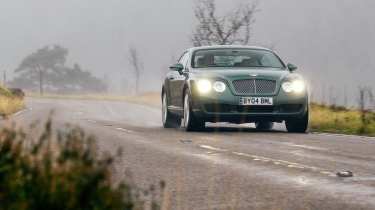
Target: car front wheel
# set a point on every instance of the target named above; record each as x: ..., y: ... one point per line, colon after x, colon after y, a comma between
x: 298, y: 125
x: 169, y: 120
x: 190, y: 121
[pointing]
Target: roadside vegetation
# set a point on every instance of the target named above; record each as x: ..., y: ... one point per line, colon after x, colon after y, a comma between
x: 342, y: 120
x: 61, y: 170
x: 10, y: 102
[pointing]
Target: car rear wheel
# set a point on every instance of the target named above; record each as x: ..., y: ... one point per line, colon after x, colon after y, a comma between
x: 169, y: 120
x: 298, y: 125
x: 264, y: 126
x: 190, y: 121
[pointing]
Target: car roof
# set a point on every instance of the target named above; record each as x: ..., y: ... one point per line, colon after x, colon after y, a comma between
x: 228, y: 47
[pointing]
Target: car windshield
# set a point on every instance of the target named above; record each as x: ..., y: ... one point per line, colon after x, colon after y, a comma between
x: 236, y: 58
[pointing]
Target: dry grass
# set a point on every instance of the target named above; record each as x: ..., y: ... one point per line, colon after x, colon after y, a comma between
x: 10, y: 105
x: 340, y: 120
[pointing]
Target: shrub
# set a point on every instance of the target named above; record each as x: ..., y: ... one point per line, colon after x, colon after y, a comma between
x: 17, y: 93
x: 9, y: 102
x: 5, y: 92
x: 59, y: 171
x: 10, y: 105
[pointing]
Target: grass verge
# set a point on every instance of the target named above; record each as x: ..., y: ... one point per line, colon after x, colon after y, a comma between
x: 9, y: 103
x: 341, y: 120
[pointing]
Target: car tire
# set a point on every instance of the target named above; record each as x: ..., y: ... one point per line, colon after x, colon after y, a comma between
x: 264, y: 126
x: 169, y: 119
x: 190, y: 121
x: 298, y: 125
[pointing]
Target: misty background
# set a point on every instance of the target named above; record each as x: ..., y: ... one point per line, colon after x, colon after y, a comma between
x: 331, y: 41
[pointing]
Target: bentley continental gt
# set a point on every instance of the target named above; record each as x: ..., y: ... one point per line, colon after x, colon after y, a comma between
x: 234, y: 84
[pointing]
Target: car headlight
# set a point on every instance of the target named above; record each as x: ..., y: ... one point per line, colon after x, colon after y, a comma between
x: 204, y: 86
x: 219, y: 86
x: 297, y: 86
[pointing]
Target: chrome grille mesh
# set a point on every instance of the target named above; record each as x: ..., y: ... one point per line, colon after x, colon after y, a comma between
x: 254, y: 86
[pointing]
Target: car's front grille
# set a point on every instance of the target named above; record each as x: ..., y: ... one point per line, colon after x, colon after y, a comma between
x: 254, y: 86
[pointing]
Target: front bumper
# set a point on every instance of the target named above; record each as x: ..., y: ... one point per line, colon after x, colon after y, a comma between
x: 225, y: 107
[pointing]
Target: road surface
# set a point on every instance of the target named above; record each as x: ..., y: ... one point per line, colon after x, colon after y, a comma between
x: 225, y: 167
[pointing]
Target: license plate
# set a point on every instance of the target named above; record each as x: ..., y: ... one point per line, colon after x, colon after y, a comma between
x: 256, y: 101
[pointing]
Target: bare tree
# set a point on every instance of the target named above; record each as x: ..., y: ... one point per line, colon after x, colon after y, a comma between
x: 365, y: 96
x: 345, y: 96
x: 233, y: 28
x: 323, y: 94
x: 332, y: 97
x: 137, y: 66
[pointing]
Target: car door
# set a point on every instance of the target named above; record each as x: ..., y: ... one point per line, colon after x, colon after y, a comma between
x: 174, y: 78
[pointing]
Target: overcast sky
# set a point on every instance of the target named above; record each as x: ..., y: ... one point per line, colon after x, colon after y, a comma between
x: 330, y: 40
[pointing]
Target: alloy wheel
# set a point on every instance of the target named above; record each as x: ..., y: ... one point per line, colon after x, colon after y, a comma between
x: 186, y: 111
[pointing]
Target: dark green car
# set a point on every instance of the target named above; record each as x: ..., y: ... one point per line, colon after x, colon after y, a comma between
x: 235, y: 84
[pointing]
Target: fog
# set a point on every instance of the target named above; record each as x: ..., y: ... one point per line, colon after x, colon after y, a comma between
x: 330, y: 40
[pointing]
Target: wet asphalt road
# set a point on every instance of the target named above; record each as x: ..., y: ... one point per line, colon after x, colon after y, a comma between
x: 225, y: 167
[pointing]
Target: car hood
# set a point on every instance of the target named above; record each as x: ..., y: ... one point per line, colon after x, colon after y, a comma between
x: 236, y: 74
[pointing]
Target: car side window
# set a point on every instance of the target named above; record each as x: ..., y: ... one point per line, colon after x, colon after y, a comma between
x: 184, y: 60
x: 181, y: 60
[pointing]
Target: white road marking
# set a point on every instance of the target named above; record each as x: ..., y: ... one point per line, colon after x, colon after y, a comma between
x: 21, y: 111
x: 362, y: 179
x: 209, y: 138
x: 285, y: 163
x: 344, y: 135
x: 328, y: 173
x: 305, y: 146
x: 271, y: 160
x: 91, y: 121
x: 125, y: 130
x: 212, y: 148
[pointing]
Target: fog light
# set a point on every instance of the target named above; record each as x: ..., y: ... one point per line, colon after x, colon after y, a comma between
x: 219, y: 86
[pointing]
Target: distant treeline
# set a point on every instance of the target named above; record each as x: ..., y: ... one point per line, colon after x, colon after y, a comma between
x: 46, y: 71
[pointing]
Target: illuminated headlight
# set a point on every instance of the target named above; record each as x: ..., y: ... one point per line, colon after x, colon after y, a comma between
x: 297, y: 86
x: 287, y: 87
x: 204, y: 86
x: 219, y: 86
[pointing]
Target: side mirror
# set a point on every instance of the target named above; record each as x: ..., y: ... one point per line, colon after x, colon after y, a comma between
x: 177, y: 67
x: 292, y: 67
